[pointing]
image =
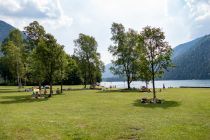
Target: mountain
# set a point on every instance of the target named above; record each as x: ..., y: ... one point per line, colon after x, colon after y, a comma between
x: 108, y: 76
x: 191, y: 60
x: 5, y: 29
x: 107, y: 73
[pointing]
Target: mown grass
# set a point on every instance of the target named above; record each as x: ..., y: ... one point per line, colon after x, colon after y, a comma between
x: 98, y: 115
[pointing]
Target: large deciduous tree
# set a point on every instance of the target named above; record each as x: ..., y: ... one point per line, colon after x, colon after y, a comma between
x: 74, y: 76
x: 64, y: 67
x: 13, y: 50
x: 49, y: 53
x: 34, y: 32
x: 157, y: 53
x: 36, y: 68
x: 13, y: 59
x: 124, y: 51
x: 89, y: 60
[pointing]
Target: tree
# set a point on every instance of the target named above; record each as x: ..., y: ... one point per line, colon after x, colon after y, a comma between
x: 144, y: 73
x: 36, y: 68
x: 49, y: 52
x: 157, y: 53
x: 124, y: 51
x: 89, y: 59
x: 63, y: 67
x: 74, y: 76
x: 34, y: 33
x: 4, y: 71
x: 12, y: 55
x: 17, y: 37
x: 13, y: 50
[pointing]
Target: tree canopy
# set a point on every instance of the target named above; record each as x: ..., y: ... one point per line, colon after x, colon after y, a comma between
x: 139, y: 56
x: 35, y: 57
x: 157, y: 53
x: 88, y: 59
x: 13, y: 51
x: 126, y: 51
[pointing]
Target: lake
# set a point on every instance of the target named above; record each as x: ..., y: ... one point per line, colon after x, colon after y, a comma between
x: 159, y: 84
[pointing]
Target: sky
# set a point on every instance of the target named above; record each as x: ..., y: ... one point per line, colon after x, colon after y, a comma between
x: 181, y: 20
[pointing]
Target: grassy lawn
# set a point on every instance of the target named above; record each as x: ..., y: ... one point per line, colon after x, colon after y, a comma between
x: 98, y: 115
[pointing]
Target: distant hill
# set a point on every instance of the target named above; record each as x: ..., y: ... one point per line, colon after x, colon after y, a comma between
x: 108, y: 76
x: 192, y: 61
x: 5, y: 29
x: 107, y: 73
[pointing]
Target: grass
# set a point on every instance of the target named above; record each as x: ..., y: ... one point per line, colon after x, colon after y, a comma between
x: 98, y: 115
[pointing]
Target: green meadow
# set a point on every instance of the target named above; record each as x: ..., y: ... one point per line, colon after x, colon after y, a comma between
x: 105, y: 115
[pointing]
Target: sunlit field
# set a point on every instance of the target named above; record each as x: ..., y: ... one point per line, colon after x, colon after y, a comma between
x: 110, y: 114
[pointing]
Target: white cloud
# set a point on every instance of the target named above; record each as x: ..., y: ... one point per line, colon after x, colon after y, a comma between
x: 48, y: 12
x: 200, y: 9
x: 11, y: 5
x: 190, y: 19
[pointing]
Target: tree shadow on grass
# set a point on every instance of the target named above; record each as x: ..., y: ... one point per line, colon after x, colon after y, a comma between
x: 20, y: 99
x: 119, y: 90
x: 107, y: 91
x: 10, y: 91
x: 4, y: 89
x: 164, y: 105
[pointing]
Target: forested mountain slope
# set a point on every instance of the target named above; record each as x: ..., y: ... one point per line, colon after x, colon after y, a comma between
x: 5, y: 29
x: 192, y: 60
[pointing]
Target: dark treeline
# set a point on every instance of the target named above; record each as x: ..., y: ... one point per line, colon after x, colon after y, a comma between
x: 36, y: 58
x: 113, y: 79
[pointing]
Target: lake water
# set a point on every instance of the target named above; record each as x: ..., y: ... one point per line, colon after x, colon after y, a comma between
x: 159, y: 84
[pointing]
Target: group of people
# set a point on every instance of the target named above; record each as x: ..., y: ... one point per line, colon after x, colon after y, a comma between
x: 36, y: 92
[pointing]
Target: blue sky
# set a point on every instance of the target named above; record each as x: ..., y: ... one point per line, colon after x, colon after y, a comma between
x: 181, y: 20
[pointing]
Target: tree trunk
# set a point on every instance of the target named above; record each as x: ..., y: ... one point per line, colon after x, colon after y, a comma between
x: 51, y: 91
x: 153, y: 85
x: 61, y: 86
x: 146, y: 84
x: 40, y: 86
x: 25, y: 81
x: 85, y: 80
x: 89, y: 75
x: 20, y: 83
x: 18, y: 76
x: 85, y: 84
x: 128, y: 82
